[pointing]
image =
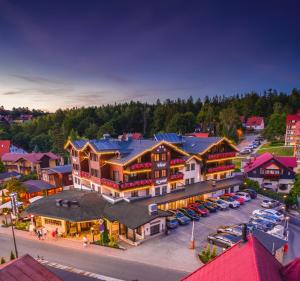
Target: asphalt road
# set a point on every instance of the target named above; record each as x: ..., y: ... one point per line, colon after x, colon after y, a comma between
x: 104, y: 265
x: 294, y: 245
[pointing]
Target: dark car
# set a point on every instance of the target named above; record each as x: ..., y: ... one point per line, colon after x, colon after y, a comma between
x: 262, y: 224
x: 251, y: 192
x: 209, y: 205
x: 180, y: 217
x: 224, y: 240
x: 190, y: 214
x: 199, y: 209
x: 172, y: 222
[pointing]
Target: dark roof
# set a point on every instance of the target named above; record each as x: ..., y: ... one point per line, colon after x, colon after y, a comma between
x: 7, y: 175
x: 26, y: 268
x: 37, y: 185
x: 193, y: 190
x: 69, y: 275
x: 169, y: 137
x: 61, y: 169
x: 244, y: 261
x: 195, y: 145
x: 92, y: 206
x: 31, y: 157
x: 271, y: 242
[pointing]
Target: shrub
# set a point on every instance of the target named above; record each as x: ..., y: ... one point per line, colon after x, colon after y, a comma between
x: 12, y: 255
x: 207, y: 254
x: 2, y: 260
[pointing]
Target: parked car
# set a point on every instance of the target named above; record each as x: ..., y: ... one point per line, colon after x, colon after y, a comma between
x: 181, y: 218
x: 245, y: 151
x: 244, y: 195
x: 261, y: 224
x: 222, y: 205
x: 235, y: 197
x: 269, y: 203
x: 224, y: 240
x: 199, y: 209
x: 236, y: 230
x: 190, y: 214
x: 251, y: 192
x: 209, y: 205
x: 232, y: 203
x: 272, y: 212
x: 172, y: 222
x: 267, y: 217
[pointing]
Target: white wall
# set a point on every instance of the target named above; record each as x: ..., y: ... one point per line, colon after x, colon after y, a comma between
x: 146, y: 227
x: 195, y: 174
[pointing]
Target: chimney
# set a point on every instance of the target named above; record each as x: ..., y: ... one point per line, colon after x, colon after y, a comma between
x: 244, y: 233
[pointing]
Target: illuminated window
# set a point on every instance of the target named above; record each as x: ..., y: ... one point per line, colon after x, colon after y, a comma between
x: 163, y: 173
x: 53, y: 222
x: 156, y: 157
x: 156, y: 174
x: 164, y: 156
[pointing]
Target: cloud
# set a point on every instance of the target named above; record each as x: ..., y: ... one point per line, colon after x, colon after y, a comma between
x: 37, y: 79
x: 11, y: 93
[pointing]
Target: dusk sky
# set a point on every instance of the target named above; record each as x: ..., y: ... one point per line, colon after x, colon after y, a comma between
x: 78, y: 53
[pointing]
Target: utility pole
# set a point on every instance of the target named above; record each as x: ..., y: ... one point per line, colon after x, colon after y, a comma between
x: 14, y: 210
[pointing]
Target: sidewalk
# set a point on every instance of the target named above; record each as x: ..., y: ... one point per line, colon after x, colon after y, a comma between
x: 145, y: 253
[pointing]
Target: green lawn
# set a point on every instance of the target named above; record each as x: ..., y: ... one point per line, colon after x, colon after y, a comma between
x: 277, y: 150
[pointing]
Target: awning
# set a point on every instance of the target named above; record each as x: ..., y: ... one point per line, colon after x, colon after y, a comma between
x: 33, y: 199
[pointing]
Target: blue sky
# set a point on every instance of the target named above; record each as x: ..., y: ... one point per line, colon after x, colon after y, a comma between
x: 59, y: 54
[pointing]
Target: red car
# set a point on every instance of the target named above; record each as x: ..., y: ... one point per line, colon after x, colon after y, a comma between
x: 236, y: 198
x: 199, y: 209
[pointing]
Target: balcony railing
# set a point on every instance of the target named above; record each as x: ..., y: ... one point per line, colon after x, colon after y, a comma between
x: 176, y: 161
x: 221, y: 168
x: 177, y: 176
x: 125, y: 185
x: 85, y: 174
x: 221, y: 155
x: 271, y: 176
x: 140, y: 166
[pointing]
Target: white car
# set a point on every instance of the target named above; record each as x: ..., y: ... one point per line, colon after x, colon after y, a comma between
x: 267, y: 203
x: 244, y: 195
x: 272, y: 212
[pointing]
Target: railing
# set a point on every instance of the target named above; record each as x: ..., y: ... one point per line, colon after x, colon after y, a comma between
x: 85, y: 174
x: 271, y: 176
x: 177, y: 176
x: 176, y: 161
x: 140, y: 166
x: 113, y: 184
x: 110, y: 183
x: 221, y: 168
x: 221, y: 155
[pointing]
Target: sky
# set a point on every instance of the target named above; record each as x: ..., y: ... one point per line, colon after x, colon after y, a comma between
x: 60, y: 54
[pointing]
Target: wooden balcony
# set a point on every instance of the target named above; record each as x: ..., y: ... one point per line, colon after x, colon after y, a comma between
x: 177, y: 161
x: 222, y: 155
x: 177, y: 176
x: 126, y: 185
x: 140, y: 166
x: 220, y: 169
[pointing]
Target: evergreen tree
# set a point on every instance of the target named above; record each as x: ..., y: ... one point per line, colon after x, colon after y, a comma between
x: 12, y: 255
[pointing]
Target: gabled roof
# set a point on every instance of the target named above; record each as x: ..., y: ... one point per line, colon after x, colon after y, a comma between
x: 31, y: 157
x: 60, y: 169
x: 254, y: 121
x: 249, y: 261
x: 37, y: 185
x: 4, y: 147
x: 288, y: 162
x: 26, y: 268
x: 8, y: 175
x: 169, y: 137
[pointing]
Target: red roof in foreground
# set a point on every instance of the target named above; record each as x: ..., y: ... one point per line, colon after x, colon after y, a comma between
x: 31, y: 157
x: 4, y: 147
x: 249, y: 261
x: 26, y: 268
x: 287, y: 161
x: 291, y: 271
x: 254, y: 121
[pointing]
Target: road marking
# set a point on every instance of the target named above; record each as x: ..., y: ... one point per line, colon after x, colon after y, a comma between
x: 78, y: 271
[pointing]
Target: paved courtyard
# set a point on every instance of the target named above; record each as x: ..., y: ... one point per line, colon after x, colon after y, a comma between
x: 172, y: 250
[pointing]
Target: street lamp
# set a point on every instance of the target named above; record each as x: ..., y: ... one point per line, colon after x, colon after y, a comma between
x: 192, y: 242
x: 93, y: 236
x: 5, y: 216
x: 14, y: 208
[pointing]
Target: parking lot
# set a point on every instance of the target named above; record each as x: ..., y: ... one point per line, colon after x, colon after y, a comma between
x: 173, y: 250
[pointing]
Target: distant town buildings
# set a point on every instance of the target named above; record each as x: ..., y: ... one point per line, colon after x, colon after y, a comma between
x: 255, y: 123
x: 7, y: 147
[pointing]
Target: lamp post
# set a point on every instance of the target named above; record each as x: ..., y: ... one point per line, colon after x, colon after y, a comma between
x: 93, y: 236
x: 14, y: 209
x: 192, y: 242
x: 5, y: 216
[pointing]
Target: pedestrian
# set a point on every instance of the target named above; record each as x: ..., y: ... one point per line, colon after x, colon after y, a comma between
x: 39, y: 234
x: 56, y: 232
x: 44, y: 232
x: 85, y: 241
x: 53, y: 233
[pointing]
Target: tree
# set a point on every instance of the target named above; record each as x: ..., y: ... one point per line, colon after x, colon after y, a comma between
x: 182, y: 123
x: 2, y: 167
x: 275, y: 128
x: 14, y: 185
x: 107, y: 128
x: 229, y: 122
x: 41, y: 142
x: 2, y: 260
x: 12, y: 255
x: 207, y: 254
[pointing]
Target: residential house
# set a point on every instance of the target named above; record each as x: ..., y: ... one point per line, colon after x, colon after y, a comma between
x: 271, y: 171
x: 255, y: 123
x: 8, y: 176
x: 59, y: 176
x: 6, y: 147
x: 247, y: 260
x: 26, y: 163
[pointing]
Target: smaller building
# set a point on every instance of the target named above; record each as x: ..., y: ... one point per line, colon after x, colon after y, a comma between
x: 255, y: 123
x: 38, y: 188
x: 8, y: 176
x: 59, y: 176
x: 26, y: 163
x: 271, y: 171
x: 26, y: 268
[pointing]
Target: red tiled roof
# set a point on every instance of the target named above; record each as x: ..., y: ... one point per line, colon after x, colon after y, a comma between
x: 199, y: 135
x: 249, y: 261
x: 31, y: 157
x: 254, y: 121
x: 4, y: 147
x: 291, y: 271
x: 295, y: 117
x: 289, y: 162
x: 136, y: 136
x: 26, y: 268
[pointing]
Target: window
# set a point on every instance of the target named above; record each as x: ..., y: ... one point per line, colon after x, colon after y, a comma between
x: 156, y: 174
x: 147, y: 191
x: 157, y: 191
x: 187, y: 167
x: 192, y: 166
x: 163, y: 156
x: 163, y: 173
x: 53, y: 222
x: 116, y: 176
x: 173, y: 186
x: 95, y: 173
x: 187, y: 181
x: 164, y: 190
x: 134, y: 193
x: 192, y: 180
x: 156, y: 157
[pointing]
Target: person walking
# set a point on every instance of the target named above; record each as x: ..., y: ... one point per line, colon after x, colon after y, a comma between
x: 39, y: 234
x: 85, y: 241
